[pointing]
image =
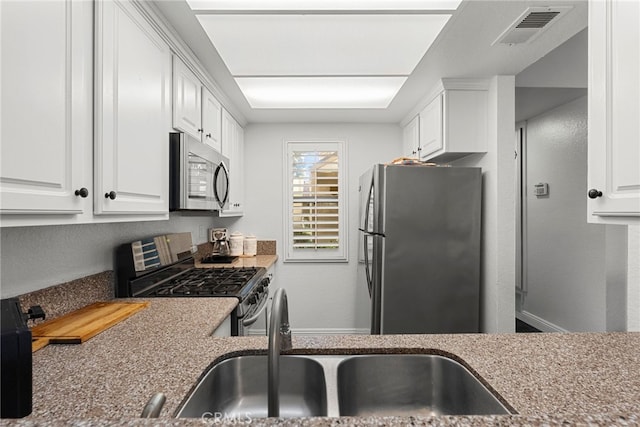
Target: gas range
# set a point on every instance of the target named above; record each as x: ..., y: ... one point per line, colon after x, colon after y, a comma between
x: 208, y: 282
x: 142, y: 272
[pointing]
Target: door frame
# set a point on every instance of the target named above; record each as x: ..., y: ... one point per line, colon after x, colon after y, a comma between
x: 521, y: 214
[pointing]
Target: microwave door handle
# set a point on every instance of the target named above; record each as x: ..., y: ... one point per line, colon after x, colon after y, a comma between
x: 215, y: 185
x: 226, y: 189
x: 223, y: 200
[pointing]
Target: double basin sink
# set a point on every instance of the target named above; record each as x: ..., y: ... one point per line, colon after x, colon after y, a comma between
x: 346, y: 385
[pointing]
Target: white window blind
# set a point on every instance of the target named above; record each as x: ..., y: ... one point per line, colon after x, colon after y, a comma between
x: 315, y: 202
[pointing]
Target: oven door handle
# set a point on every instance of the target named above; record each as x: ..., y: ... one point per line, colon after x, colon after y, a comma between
x: 253, y: 319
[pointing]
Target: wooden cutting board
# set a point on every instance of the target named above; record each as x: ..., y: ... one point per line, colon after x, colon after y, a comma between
x: 80, y: 325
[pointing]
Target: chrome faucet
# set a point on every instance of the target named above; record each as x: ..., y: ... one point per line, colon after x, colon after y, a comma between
x: 279, y: 339
x: 154, y: 406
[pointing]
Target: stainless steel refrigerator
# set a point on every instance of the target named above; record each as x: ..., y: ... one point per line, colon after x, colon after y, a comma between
x: 420, y: 248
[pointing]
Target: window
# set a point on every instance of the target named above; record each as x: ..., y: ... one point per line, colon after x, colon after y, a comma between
x: 315, y: 208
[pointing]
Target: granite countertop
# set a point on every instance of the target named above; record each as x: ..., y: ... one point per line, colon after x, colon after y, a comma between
x: 549, y: 379
x: 265, y: 261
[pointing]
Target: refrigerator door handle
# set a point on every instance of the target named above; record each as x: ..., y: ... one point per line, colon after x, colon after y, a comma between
x: 365, y: 241
x: 367, y: 207
x: 376, y: 285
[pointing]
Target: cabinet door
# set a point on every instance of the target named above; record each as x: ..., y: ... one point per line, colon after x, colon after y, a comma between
x: 228, y: 134
x: 233, y: 149
x: 187, y: 100
x: 133, y: 113
x: 431, y: 127
x: 46, y: 106
x: 411, y: 138
x: 614, y: 111
x: 237, y: 184
x: 211, y: 120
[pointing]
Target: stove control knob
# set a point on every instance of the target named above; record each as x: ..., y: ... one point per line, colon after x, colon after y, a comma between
x: 253, y: 299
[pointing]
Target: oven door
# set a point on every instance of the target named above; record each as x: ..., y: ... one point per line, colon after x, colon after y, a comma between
x: 254, y: 319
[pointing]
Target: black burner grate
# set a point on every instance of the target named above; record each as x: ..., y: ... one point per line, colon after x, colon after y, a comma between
x: 207, y: 282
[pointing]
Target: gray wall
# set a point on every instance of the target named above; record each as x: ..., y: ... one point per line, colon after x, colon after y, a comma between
x: 323, y: 297
x: 563, y: 67
x: 571, y: 275
x: 633, y: 279
x: 34, y: 258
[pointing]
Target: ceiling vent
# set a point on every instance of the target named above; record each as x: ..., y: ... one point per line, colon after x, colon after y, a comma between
x: 531, y: 24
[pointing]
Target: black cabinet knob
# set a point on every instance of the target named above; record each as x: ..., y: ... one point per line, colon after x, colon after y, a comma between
x: 594, y: 194
x: 200, y: 130
x: 110, y: 195
x: 208, y: 135
x: 83, y: 192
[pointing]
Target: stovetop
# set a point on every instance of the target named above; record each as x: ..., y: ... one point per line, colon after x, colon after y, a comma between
x: 218, y: 282
x: 163, y: 266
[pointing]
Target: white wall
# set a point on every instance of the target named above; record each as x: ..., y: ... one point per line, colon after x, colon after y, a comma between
x: 533, y: 101
x: 323, y: 297
x: 633, y: 279
x: 563, y: 67
x: 34, y: 258
x: 498, y: 209
x: 565, y: 257
x: 577, y: 273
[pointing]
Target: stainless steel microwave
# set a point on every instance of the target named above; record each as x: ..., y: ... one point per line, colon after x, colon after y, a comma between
x: 199, y: 175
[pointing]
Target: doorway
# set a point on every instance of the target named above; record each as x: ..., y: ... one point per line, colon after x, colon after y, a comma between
x: 561, y: 258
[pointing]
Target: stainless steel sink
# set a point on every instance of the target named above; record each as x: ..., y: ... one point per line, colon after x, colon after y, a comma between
x: 236, y: 388
x: 342, y: 385
x: 411, y: 385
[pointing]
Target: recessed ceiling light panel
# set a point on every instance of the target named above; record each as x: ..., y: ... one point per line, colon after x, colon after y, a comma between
x: 320, y: 92
x: 324, y: 45
x: 321, y: 54
x: 345, y: 5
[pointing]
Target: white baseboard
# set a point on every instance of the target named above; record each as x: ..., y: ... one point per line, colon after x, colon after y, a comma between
x: 318, y: 331
x: 538, y: 322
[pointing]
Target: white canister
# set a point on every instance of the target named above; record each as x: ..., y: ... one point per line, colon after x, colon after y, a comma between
x: 250, y: 245
x: 235, y: 243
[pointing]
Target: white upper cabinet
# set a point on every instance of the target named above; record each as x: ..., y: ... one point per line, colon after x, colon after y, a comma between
x: 411, y: 138
x: 614, y: 112
x: 133, y: 113
x: 187, y: 100
x: 233, y: 149
x: 454, y: 122
x: 211, y: 120
x: 46, y: 108
x: 195, y: 110
x: 431, y: 128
